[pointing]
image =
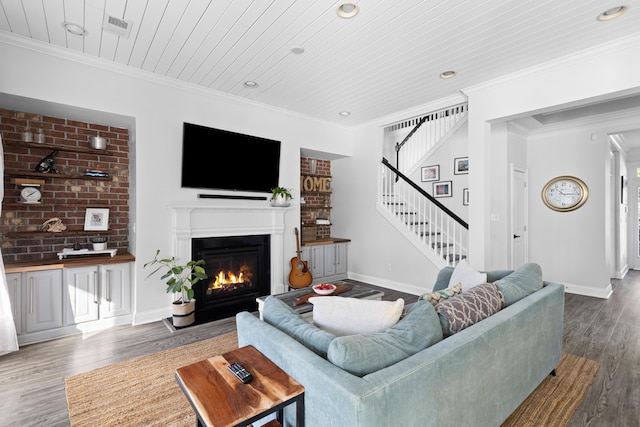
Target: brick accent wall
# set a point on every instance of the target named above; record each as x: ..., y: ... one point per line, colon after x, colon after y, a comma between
x: 64, y: 197
x: 315, y: 200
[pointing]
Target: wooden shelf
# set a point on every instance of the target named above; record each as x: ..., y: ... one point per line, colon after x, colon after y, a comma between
x: 66, y: 233
x: 86, y: 204
x: 316, y: 225
x: 314, y: 207
x: 69, y: 149
x: 16, y: 173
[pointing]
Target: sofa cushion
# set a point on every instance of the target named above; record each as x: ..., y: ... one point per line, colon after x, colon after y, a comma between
x: 466, y: 276
x: 280, y: 315
x: 348, y: 316
x: 524, y: 281
x: 469, y: 308
x: 444, y: 276
x: 441, y: 295
x: 366, y: 353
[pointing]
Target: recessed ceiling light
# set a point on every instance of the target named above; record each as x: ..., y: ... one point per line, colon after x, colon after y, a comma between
x: 448, y: 74
x: 74, y: 29
x: 297, y: 50
x: 250, y: 84
x: 612, y: 13
x: 348, y: 10
x: 344, y: 113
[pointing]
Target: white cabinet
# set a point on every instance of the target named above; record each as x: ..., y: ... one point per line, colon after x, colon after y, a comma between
x: 115, y: 288
x: 42, y: 300
x: 96, y: 292
x: 52, y: 303
x: 14, y: 281
x: 327, y: 261
x: 80, y: 294
x: 341, y: 258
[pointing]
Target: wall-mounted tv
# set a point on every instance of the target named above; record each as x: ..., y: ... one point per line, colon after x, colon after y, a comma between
x: 221, y: 160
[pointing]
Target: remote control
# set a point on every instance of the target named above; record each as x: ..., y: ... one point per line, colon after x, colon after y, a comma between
x: 241, y: 373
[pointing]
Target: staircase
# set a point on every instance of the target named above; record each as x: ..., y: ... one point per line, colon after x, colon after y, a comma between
x: 430, y: 226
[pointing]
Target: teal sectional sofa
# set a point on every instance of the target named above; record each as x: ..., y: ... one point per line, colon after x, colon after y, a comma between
x: 476, y: 377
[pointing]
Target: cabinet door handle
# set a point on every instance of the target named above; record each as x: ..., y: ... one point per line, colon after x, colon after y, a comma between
x: 30, y: 295
x: 95, y: 287
x: 108, y: 287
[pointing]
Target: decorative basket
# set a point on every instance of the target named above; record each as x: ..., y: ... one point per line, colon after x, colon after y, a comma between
x: 309, y: 234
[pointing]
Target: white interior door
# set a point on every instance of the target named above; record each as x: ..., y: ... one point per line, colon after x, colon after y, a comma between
x: 519, y: 208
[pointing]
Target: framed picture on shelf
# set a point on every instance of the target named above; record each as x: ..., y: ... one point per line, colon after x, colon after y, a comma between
x: 461, y: 165
x: 465, y: 197
x: 96, y: 219
x: 442, y: 189
x: 430, y: 173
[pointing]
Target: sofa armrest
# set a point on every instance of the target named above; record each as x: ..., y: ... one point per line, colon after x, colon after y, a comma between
x: 332, y: 390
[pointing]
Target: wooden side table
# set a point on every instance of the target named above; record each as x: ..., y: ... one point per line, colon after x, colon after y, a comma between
x: 220, y: 399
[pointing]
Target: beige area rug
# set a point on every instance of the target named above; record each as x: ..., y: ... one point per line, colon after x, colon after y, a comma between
x: 143, y: 391
x: 554, y: 401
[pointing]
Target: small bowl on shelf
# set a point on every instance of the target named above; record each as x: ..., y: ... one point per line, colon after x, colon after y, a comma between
x: 324, y: 288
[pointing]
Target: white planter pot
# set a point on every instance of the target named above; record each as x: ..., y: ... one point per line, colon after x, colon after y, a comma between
x: 99, y: 246
x: 184, y: 314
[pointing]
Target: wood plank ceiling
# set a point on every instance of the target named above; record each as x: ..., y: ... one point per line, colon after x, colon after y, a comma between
x: 386, y: 59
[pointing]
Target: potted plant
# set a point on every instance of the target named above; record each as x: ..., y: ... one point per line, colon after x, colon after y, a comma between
x: 280, y: 196
x: 99, y: 243
x: 179, y: 280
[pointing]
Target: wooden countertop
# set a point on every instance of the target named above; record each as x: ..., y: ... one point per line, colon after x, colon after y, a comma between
x: 326, y: 241
x: 76, y: 261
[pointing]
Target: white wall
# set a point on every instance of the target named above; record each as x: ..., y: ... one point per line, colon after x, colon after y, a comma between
x: 377, y: 252
x: 604, y: 72
x: 159, y: 106
x: 571, y: 247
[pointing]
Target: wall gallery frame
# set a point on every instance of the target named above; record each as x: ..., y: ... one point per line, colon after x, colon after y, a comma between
x: 461, y: 165
x: 442, y: 189
x: 465, y: 197
x: 430, y: 173
x: 96, y: 219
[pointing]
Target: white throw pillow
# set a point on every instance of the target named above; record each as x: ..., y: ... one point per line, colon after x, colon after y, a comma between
x: 350, y: 316
x: 466, y: 276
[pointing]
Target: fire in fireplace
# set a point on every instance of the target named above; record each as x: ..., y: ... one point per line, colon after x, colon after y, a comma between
x: 239, y: 271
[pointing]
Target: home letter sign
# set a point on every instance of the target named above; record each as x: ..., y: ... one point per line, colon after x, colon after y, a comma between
x: 320, y: 184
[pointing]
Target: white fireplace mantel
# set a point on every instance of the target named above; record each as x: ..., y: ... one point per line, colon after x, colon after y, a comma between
x: 213, y: 220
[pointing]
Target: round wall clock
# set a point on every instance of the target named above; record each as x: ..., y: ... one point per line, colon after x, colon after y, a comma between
x: 565, y: 193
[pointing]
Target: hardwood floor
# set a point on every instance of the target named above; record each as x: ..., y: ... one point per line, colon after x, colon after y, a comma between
x: 608, y: 331
x: 32, y: 380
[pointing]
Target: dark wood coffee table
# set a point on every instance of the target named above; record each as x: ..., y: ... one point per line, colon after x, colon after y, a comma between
x: 220, y: 399
x: 306, y: 310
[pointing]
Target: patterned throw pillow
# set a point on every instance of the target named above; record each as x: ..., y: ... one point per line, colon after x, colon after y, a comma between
x: 441, y: 295
x: 469, y: 308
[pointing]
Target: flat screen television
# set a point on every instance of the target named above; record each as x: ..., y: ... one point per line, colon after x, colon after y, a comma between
x: 221, y: 160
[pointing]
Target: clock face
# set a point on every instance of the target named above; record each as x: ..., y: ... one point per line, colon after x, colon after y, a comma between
x: 30, y: 195
x: 565, y: 193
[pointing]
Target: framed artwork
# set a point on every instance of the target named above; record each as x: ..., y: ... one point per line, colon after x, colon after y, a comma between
x: 96, y: 219
x: 442, y: 189
x: 465, y: 197
x: 430, y: 173
x: 461, y: 165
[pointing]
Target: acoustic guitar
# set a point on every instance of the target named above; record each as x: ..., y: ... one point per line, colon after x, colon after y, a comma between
x: 300, y: 276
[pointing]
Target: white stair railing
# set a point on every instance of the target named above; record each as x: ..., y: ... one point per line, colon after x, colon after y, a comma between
x: 427, y: 131
x: 433, y: 228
